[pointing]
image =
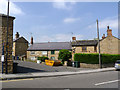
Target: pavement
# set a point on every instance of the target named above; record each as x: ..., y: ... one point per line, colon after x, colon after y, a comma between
x: 50, y: 74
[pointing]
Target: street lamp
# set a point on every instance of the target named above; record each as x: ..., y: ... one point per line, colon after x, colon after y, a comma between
x: 6, y: 70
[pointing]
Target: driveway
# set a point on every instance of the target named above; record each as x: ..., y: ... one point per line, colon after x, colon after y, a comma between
x: 29, y: 67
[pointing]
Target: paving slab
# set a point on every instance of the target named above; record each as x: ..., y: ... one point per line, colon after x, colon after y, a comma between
x: 50, y: 74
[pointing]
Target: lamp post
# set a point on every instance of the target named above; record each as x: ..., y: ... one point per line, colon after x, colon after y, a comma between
x: 100, y: 63
x: 6, y: 70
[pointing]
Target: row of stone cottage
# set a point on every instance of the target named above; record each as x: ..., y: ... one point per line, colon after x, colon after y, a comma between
x: 109, y: 45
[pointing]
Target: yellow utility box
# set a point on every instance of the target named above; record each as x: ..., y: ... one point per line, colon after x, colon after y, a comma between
x: 52, y: 62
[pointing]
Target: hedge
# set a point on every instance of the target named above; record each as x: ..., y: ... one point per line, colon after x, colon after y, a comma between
x: 42, y: 58
x: 94, y: 58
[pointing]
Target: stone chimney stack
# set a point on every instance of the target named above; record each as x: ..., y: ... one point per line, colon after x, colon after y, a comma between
x: 17, y: 35
x: 31, y: 40
x: 103, y: 36
x: 109, y: 31
x: 73, y: 38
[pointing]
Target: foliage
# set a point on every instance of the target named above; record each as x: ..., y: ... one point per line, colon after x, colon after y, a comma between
x: 64, y: 55
x: 94, y: 58
x: 42, y: 58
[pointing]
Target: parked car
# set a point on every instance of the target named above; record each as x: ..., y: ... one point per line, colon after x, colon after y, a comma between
x: 117, y: 65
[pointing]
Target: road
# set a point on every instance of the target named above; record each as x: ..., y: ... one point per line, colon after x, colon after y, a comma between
x: 93, y: 80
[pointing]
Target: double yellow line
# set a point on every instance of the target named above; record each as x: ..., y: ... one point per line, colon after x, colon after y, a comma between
x: 16, y: 80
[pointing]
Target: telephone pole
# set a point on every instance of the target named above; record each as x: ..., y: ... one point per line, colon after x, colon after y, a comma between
x: 100, y: 63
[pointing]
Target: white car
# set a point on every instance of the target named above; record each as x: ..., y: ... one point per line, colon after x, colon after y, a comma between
x: 117, y: 65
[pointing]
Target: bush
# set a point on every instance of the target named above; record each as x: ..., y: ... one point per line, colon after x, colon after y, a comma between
x: 94, y: 58
x: 64, y: 55
x: 42, y: 58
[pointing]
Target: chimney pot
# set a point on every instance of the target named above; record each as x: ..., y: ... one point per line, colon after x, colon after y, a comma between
x: 103, y: 36
x: 16, y: 35
x: 31, y: 40
x: 109, y: 31
x: 107, y: 27
x: 74, y: 38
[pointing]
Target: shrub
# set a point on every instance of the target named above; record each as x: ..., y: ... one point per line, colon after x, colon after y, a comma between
x: 42, y: 58
x: 94, y: 58
x: 64, y: 55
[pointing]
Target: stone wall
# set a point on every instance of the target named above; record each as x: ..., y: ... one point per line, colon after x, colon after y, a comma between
x: 109, y: 45
x: 78, y: 49
x: 95, y: 66
x: 3, y: 31
x: 35, y: 55
x: 90, y: 49
x: 39, y: 54
x: 20, y: 47
x: 53, y: 55
x: 0, y: 36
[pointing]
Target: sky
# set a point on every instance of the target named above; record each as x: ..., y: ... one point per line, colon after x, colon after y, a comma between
x: 59, y: 21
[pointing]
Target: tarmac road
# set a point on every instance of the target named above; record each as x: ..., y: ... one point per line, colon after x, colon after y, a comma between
x: 92, y: 80
x: 30, y: 67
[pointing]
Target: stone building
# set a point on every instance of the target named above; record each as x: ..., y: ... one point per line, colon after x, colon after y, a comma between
x: 84, y: 46
x: 20, y: 46
x: 49, y: 49
x: 3, y: 40
x: 108, y: 45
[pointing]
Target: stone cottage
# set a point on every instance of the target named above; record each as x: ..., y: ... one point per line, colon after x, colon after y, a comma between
x: 20, y: 46
x: 48, y: 49
x: 108, y: 45
x: 3, y: 40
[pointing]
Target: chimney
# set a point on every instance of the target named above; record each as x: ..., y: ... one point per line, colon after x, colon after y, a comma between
x: 73, y: 38
x: 103, y: 36
x: 31, y: 40
x: 16, y: 35
x: 109, y: 31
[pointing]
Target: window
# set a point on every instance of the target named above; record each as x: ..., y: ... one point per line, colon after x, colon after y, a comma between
x: 44, y: 52
x: 84, y: 49
x: 32, y: 52
x: 52, y: 58
x: 95, y: 48
x: 32, y: 58
x: 52, y: 52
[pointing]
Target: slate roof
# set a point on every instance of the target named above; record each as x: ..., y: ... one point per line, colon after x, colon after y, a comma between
x: 15, y: 40
x: 50, y: 46
x: 85, y: 43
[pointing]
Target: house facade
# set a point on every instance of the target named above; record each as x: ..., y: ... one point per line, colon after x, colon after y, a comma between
x: 48, y: 49
x: 20, y: 46
x: 108, y: 45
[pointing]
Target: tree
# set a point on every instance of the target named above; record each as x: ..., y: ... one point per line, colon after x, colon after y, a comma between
x: 64, y: 55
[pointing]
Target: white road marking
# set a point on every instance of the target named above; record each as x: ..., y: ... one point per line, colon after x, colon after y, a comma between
x: 97, y: 84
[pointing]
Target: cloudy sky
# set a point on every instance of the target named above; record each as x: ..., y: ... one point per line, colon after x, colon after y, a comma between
x: 59, y: 21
